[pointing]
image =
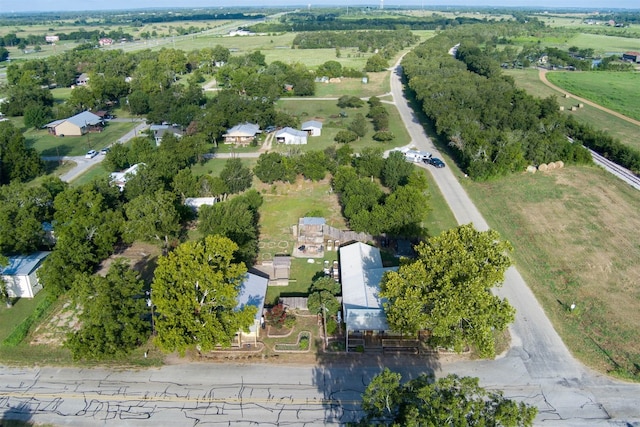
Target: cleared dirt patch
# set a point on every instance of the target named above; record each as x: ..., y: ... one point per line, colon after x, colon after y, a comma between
x: 64, y: 318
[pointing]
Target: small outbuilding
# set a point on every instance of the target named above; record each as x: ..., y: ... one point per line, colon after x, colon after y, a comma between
x: 20, y: 275
x: 290, y: 136
x: 312, y: 127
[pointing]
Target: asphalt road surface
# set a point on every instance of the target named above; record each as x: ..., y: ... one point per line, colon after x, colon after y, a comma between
x: 538, y: 369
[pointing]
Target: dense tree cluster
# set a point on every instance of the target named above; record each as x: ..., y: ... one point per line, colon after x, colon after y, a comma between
x: 369, y: 208
x: 17, y: 161
x: 386, y: 42
x: 113, y: 314
x: 494, y: 128
x: 236, y: 219
x: 448, y: 401
x: 195, y: 291
x: 447, y: 290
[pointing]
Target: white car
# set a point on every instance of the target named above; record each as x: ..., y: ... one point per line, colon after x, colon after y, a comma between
x: 91, y: 154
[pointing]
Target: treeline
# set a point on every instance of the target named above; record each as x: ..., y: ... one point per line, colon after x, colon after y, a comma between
x: 493, y: 127
x: 94, y: 35
x: 301, y: 22
x: 365, y: 41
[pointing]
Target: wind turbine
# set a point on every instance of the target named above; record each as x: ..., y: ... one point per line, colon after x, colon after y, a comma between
x: 381, y: 4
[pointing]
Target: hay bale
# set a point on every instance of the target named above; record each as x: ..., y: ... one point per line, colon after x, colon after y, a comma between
x: 562, y: 108
x: 574, y: 108
x: 543, y: 167
x: 551, y: 166
x: 581, y: 105
x: 559, y: 164
x: 531, y: 169
x: 566, y: 95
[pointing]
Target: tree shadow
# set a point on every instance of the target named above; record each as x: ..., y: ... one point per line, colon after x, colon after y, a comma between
x: 17, y: 416
x: 342, y: 377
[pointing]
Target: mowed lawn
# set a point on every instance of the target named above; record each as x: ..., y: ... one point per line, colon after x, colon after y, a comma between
x: 618, y: 128
x: 576, y: 234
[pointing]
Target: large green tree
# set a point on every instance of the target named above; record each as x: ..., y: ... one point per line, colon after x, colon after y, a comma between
x: 195, y: 291
x: 153, y: 218
x: 396, y: 170
x: 113, y: 311
x: 447, y: 290
x: 273, y: 167
x: 236, y: 176
x: 448, y: 401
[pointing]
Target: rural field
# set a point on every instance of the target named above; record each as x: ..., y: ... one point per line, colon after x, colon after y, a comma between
x: 575, y: 235
x: 616, y: 91
x: 618, y: 128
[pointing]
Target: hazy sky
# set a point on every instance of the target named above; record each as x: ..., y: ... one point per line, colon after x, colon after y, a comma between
x: 57, y: 5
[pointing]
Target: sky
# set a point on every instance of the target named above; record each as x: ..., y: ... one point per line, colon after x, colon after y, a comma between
x: 70, y: 5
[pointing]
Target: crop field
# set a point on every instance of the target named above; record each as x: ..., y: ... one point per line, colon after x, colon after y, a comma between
x: 575, y: 234
x: 617, y: 91
x: 618, y: 128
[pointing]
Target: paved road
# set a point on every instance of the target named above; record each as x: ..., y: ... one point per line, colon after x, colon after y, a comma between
x: 577, y: 393
x: 538, y: 369
x: 83, y: 164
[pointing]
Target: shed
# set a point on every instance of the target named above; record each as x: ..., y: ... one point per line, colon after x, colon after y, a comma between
x: 312, y: 127
x: 290, y: 136
x: 20, y: 275
x: 196, y: 203
x: 120, y: 178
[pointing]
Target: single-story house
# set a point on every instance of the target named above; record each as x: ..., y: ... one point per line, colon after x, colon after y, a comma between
x: 312, y: 127
x: 290, y: 136
x: 196, y: 202
x: 242, y: 134
x: 82, y: 79
x: 361, y: 271
x: 159, y: 131
x: 77, y: 125
x: 20, y: 275
x: 252, y: 292
x: 120, y: 178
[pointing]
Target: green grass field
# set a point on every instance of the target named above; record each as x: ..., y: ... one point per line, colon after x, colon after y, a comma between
x: 620, y: 129
x: 617, y: 91
x: 49, y: 145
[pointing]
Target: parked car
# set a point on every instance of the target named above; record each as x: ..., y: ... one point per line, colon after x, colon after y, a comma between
x: 269, y: 129
x: 91, y: 154
x: 434, y: 161
x: 105, y: 150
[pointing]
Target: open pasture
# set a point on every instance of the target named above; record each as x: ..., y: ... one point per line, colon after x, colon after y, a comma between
x: 575, y: 235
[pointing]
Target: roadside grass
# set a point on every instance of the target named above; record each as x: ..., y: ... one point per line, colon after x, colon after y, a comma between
x: 618, y: 128
x: 575, y: 237
x: 616, y: 91
x: 49, y: 145
x: 11, y: 317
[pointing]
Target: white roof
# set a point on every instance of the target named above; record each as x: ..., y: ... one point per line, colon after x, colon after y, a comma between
x: 122, y: 177
x: 311, y: 124
x: 196, y: 202
x: 361, y: 271
x: 291, y: 131
x: 244, y: 129
x: 253, y: 292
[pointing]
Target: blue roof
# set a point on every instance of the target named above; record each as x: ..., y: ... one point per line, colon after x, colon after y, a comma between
x: 252, y: 292
x: 313, y: 220
x: 85, y: 118
x: 23, y: 265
